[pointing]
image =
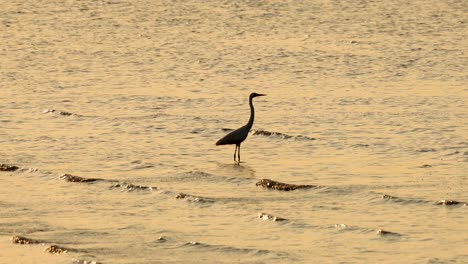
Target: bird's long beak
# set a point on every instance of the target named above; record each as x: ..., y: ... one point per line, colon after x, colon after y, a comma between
x: 261, y: 94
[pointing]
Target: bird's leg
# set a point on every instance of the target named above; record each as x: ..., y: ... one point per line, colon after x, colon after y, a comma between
x: 238, y: 154
x: 235, y: 153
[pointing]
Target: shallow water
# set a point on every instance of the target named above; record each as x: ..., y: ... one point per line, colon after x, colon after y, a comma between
x: 367, y: 98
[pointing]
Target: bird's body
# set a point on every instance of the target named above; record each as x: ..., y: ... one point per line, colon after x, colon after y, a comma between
x: 237, y: 136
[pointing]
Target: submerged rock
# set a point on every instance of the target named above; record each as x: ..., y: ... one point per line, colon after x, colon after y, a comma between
x: 267, y: 183
x: 265, y: 216
x: 6, y: 167
x: 24, y: 240
x: 73, y: 178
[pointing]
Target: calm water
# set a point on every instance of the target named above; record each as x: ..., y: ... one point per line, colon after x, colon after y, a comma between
x: 370, y: 98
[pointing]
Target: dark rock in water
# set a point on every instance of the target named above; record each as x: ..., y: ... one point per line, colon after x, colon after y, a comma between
x: 282, y: 186
x: 449, y: 202
x: 54, y: 249
x: 226, y: 129
x: 265, y: 216
x: 5, y: 167
x: 133, y: 187
x: 73, y: 178
x: 386, y: 233
x: 24, y: 240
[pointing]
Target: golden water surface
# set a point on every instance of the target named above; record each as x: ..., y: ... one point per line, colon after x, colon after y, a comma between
x: 368, y: 100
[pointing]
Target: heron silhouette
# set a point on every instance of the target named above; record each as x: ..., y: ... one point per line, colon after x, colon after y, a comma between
x: 239, y: 135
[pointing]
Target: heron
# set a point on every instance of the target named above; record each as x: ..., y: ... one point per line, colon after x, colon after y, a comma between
x: 239, y: 135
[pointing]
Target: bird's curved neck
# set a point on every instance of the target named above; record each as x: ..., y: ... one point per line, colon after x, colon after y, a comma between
x: 252, y: 114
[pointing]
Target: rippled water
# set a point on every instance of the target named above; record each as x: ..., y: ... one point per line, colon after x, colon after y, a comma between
x: 367, y: 99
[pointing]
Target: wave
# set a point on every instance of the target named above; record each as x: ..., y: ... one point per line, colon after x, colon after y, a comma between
x: 380, y: 232
x: 451, y: 203
x: 202, y: 176
x: 396, y: 199
x: 266, y: 216
x: 13, y: 168
x: 193, y: 198
x: 229, y: 249
x: 51, y: 248
x: 419, y: 201
x: 122, y: 185
x: 262, y: 132
x: 63, y: 113
x: 73, y: 178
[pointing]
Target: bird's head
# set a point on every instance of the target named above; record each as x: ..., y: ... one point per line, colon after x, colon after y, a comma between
x: 252, y: 95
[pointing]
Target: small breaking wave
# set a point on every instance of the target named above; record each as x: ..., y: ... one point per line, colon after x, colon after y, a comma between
x: 13, y: 168
x: 261, y: 132
x: 279, y: 135
x: 193, y: 198
x: 444, y: 202
x: 124, y: 186
x: 132, y: 187
x: 73, y: 178
x: 62, y: 113
x: 380, y: 232
x: 229, y: 249
x: 265, y: 216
